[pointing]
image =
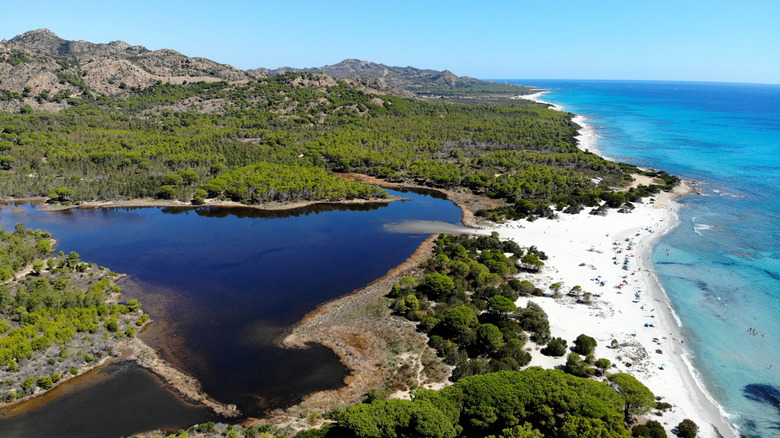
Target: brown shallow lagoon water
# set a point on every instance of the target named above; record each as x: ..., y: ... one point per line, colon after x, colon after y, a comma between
x: 221, y: 284
x: 132, y: 398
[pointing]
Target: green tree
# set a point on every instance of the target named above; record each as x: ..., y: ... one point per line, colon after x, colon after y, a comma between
x: 393, y: 418
x: 638, y: 398
x: 411, y: 303
x: 524, y: 431
x: 61, y: 194
x: 576, y: 366
x: 651, y: 429
x: 44, y: 246
x: 37, y: 267
x: 166, y: 192
x: 436, y: 285
x: 489, y: 338
x: 531, y: 262
x: 172, y: 179
x: 459, y: 320
x: 584, y: 345
x: 407, y: 282
x: 112, y: 325
x: 687, y: 429
x: 73, y: 259
x: 217, y: 168
x: 513, y: 349
x: 533, y: 319
x: 603, y: 364
x: 501, y: 305
x: 133, y: 305
x: 189, y: 176
x: 45, y: 382
x: 28, y: 383
x: 556, y: 347
x: 6, y: 162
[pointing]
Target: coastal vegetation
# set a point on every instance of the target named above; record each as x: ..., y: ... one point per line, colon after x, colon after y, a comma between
x: 465, y: 304
x: 58, y: 314
x: 532, y: 403
x: 244, y: 141
x: 529, y: 403
x: 266, y: 182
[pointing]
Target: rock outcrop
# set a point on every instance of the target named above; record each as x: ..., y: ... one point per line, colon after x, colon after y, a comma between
x: 408, y: 79
x: 40, y: 69
x: 39, y: 61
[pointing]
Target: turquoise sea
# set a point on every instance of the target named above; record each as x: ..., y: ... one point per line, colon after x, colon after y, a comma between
x: 722, y: 271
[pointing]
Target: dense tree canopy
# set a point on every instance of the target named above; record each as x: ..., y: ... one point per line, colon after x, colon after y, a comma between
x: 529, y: 403
x: 55, y: 318
x: 172, y: 140
x: 465, y: 302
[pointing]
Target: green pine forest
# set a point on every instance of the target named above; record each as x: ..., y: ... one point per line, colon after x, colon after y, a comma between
x: 58, y: 314
x: 286, y: 138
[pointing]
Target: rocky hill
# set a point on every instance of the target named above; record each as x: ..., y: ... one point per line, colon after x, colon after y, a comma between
x: 38, y: 65
x: 382, y: 76
x: 42, y: 70
x: 47, y: 43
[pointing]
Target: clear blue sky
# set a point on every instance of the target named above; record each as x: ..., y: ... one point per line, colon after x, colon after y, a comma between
x: 728, y: 41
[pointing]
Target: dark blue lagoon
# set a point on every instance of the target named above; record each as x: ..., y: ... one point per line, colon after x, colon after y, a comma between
x: 221, y: 284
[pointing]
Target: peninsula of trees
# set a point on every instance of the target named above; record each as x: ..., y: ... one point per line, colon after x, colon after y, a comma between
x: 59, y: 315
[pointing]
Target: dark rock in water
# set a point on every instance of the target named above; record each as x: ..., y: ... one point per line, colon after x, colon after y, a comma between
x: 763, y: 393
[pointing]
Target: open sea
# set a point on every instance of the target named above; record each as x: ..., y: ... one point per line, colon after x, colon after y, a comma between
x: 722, y: 271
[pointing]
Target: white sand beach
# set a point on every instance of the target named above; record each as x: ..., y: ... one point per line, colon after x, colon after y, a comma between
x: 609, y: 258
x: 587, y: 250
x: 587, y: 138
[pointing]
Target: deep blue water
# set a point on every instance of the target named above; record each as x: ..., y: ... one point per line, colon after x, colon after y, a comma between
x: 222, y: 284
x: 723, y: 274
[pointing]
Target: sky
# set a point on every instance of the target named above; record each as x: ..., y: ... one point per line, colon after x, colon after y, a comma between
x: 685, y: 40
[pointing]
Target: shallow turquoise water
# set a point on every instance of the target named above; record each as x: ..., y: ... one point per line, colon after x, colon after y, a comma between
x: 723, y: 272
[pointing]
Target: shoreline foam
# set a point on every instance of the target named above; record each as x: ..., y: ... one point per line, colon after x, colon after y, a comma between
x: 587, y: 138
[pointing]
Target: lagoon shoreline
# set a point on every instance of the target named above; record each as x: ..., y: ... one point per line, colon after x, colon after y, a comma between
x: 162, y: 203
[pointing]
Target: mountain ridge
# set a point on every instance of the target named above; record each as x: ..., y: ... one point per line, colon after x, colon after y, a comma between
x: 38, y: 65
x: 393, y: 75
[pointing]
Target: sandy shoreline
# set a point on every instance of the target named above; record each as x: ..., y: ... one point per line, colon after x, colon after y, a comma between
x: 151, y: 202
x: 581, y: 249
x: 658, y: 355
x: 587, y: 137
